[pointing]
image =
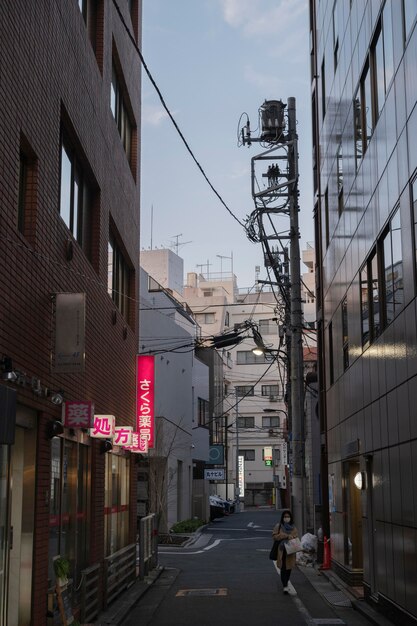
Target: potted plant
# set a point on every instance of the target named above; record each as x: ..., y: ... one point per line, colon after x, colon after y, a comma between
x: 62, y: 569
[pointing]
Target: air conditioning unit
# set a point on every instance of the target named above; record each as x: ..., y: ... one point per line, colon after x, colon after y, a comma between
x: 273, y: 398
x: 271, y: 432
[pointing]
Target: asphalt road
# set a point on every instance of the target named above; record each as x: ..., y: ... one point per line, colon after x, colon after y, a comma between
x: 226, y: 577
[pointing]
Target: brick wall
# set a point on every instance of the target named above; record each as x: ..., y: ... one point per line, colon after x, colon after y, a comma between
x: 50, y: 74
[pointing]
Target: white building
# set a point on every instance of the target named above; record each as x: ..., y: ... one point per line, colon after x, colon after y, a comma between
x: 165, y: 479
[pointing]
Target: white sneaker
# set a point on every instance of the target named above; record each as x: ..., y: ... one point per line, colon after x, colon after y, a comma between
x: 285, y: 590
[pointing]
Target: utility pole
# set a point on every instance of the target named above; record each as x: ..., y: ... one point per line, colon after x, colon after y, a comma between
x: 237, y: 452
x: 297, y: 374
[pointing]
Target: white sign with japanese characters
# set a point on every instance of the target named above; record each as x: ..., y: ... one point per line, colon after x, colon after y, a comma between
x: 214, y: 474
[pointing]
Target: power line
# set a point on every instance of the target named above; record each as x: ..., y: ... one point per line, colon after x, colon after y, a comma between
x: 145, y: 67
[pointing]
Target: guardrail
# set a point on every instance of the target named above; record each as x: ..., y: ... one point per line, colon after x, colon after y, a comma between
x: 90, y: 588
x: 119, y: 572
x: 148, y: 545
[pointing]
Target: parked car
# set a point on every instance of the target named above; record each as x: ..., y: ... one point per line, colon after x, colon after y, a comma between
x: 217, y: 507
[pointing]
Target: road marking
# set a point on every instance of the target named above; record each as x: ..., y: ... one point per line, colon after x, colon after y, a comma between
x: 201, y: 592
x: 213, y: 545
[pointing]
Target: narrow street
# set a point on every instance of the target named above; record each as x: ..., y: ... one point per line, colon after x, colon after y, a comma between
x: 226, y: 577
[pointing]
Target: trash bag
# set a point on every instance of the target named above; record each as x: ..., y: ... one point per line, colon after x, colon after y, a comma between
x: 309, y: 542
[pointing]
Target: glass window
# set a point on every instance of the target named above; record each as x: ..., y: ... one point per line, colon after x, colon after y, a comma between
x: 203, y: 412
x: 345, y: 334
x: 331, y: 367
x: 270, y: 390
x: 339, y: 164
x: 414, y: 205
x: 410, y: 14
x: 69, y: 503
x: 367, y: 107
x: 335, y: 35
x: 379, y: 73
x: 75, y: 198
x: 248, y: 455
x: 116, y: 505
x: 323, y: 88
x: 271, y: 421
x: 393, y: 269
x: 205, y: 318
x: 88, y: 11
x: 118, y: 278
x: 246, y: 357
x: 119, y: 109
x: 244, y: 390
x: 246, y: 422
x: 375, y: 303
x: 326, y: 217
x: 364, y: 287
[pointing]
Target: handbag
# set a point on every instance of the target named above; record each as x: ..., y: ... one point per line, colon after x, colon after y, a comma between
x: 273, y: 555
x: 293, y: 545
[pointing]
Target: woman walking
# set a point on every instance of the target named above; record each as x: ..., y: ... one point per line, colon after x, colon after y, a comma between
x: 283, y: 531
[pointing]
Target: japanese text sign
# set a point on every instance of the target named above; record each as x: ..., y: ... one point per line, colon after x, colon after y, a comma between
x: 145, y: 398
x: 78, y: 414
x: 134, y: 446
x: 103, y: 426
x: 123, y: 435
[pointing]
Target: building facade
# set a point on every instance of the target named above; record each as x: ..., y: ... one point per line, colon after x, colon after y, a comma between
x: 69, y: 229
x: 168, y: 483
x: 364, y: 97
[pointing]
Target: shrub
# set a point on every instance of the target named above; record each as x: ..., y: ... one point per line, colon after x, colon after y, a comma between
x: 187, y: 526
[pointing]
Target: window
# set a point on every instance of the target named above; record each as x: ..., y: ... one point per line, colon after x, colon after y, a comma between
x: 203, y: 412
x: 383, y: 58
x: 270, y: 390
x: 323, y: 89
x: 335, y: 35
x: 246, y: 357
x: 76, y: 196
x: 69, y: 505
x: 227, y: 319
x: 118, y: 284
x: 370, y: 300
x: 27, y: 199
x: 205, y: 318
x: 248, y: 455
x: 345, y: 334
x: 120, y: 113
x: 116, y: 503
x: 271, y: 421
x: 246, y: 422
x: 414, y: 207
x: 339, y: 166
x: 363, y: 116
x: 326, y: 217
x: 393, y: 288
x: 331, y: 368
x: 410, y: 14
x: 267, y: 327
x: 244, y: 390
x: 88, y: 11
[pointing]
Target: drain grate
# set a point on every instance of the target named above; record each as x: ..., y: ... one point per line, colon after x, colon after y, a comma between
x: 337, y: 598
x: 201, y: 592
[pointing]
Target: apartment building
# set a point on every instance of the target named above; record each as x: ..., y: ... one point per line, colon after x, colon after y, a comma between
x: 364, y: 95
x: 69, y: 230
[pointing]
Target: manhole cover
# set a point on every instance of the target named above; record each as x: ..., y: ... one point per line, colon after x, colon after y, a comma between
x: 327, y: 620
x: 337, y: 598
x: 201, y: 592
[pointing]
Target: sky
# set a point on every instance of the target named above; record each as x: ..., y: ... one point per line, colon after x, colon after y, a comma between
x: 212, y: 61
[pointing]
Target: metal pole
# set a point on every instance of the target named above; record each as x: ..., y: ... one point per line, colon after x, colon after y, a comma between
x: 237, y: 452
x: 297, y: 378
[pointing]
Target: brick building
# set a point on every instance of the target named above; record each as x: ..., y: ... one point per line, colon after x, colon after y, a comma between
x: 69, y: 224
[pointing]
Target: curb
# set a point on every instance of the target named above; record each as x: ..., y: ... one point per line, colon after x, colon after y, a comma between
x: 121, y: 607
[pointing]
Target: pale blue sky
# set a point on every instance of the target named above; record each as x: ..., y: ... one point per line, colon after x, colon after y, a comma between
x: 213, y: 60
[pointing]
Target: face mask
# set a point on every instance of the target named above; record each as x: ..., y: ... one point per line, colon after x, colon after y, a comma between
x: 287, y: 519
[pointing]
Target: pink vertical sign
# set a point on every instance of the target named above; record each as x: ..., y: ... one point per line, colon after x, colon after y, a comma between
x: 145, y: 400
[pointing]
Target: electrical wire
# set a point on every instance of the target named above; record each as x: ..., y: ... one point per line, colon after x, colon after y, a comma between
x: 171, y: 117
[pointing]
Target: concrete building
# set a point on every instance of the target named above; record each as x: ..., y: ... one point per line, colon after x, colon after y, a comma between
x: 171, y: 477
x: 254, y: 406
x: 69, y: 229
x: 364, y: 95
